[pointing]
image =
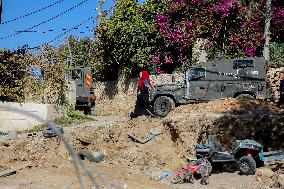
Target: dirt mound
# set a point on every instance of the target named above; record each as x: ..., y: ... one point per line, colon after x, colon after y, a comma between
x: 229, y: 106
x: 181, y: 131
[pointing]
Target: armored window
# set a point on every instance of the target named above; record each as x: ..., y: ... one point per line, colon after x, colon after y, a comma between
x: 77, y: 74
x: 196, y: 73
x: 243, y: 63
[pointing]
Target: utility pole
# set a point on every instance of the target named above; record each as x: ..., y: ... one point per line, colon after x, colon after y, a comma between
x: 1, y: 11
x: 100, y: 11
x: 267, y: 30
x: 42, y: 74
x: 70, y: 58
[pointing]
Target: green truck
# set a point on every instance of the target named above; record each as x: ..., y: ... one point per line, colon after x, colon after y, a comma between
x: 85, y: 93
x: 220, y: 78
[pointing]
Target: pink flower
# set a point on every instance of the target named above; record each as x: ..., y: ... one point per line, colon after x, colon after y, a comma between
x: 160, y: 18
x: 155, y: 59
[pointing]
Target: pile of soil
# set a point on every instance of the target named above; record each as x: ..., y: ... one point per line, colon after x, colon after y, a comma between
x: 230, y: 106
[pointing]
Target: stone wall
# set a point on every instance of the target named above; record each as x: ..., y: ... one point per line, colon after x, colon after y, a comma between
x: 274, y: 76
x: 119, y: 97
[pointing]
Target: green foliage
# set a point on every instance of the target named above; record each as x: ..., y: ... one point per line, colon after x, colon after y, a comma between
x: 276, y: 54
x: 82, y: 50
x: 73, y: 117
x: 127, y: 39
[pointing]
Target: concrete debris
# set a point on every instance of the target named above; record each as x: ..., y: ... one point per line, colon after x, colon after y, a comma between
x: 48, y: 132
x: 281, y: 179
x: 265, y: 173
x: 8, y: 135
x: 92, y: 156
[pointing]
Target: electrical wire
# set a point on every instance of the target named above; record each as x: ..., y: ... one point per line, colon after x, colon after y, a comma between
x: 31, y: 13
x: 17, y: 33
x: 49, y: 30
x: 69, y: 30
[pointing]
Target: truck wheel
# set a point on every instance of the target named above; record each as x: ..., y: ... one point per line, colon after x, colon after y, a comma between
x: 163, y: 105
x: 245, y: 97
x: 247, y: 165
x: 93, y: 109
x: 87, y: 111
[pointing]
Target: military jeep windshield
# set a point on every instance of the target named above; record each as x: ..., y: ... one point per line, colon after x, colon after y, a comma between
x: 196, y: 73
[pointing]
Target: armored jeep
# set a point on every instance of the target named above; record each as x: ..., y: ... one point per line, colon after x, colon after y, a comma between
x: 224, y: 78
x: 85, y: 94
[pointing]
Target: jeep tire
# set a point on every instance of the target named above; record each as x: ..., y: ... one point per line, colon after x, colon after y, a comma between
x: 247, y: 165
x: 163, y: 105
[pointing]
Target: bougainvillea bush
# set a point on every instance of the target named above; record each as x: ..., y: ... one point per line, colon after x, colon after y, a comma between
x: 163, y: 32
x: 233, y: 27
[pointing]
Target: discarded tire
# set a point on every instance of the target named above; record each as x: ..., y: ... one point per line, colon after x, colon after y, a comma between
x: 163, y: 105
x: 247, y: 165
x: 91, y: 156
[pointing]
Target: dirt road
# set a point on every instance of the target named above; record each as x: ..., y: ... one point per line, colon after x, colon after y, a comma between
x: 127, y: 162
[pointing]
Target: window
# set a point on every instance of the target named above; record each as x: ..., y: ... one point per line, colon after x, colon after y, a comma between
x: 77, y: 74
x: 196, y: 73
x: 243, y: 63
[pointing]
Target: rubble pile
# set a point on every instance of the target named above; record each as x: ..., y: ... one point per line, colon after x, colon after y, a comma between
x: 265, y: 178
x: 274, y: 78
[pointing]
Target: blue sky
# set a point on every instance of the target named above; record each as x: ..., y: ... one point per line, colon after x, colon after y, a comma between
x: 16, y: 8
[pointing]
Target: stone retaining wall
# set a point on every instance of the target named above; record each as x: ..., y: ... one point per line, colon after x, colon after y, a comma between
x: 119, y: 97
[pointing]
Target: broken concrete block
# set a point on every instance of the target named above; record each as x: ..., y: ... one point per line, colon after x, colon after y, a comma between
x: 48, y: 132
x: 281, y: 179
x: 92, y: 156
x: 265, y: 174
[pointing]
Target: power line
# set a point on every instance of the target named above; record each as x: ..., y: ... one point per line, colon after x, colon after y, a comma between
x: 0, y: 11
x: 70, y: 30
x: 31, y: 13
x: 49, y: 30
x: 67, y: 31
x: 17, y: 33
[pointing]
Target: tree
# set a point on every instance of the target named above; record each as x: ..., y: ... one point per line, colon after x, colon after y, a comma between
x: 127, y: 39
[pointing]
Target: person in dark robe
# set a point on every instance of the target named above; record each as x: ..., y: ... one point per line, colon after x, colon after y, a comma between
x: 143, y: 106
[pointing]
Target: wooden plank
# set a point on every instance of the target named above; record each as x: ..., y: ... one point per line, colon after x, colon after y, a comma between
x: 13, y: 170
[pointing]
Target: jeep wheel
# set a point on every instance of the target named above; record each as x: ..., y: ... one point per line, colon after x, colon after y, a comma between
x: 163, y: 105
x: 245, y: 97
x: 247, y: 165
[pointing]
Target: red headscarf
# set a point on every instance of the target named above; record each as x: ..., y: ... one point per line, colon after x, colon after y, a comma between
x: 144, y: 75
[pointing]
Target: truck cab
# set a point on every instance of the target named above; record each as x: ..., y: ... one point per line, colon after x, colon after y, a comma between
x: 85, y: 93
x: 243, y: 78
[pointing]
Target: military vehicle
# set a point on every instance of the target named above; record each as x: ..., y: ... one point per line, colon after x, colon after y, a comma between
x: 247, y: 154
x: 220, y: 78
x: 85, y: 93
